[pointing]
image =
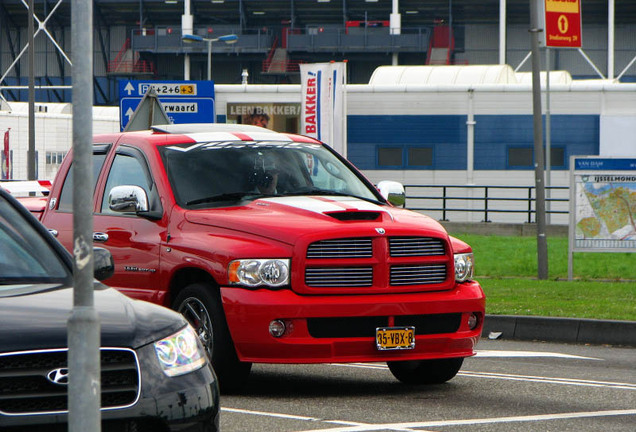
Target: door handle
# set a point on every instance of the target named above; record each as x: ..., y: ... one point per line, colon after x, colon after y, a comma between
x: 100, y: 237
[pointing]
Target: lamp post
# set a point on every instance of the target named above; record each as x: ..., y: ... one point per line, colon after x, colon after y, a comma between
x: 228, y: 39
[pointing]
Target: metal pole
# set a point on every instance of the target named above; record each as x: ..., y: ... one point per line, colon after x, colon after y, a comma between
x: 610, y: 39
x: 31, y: 61
x: 186, y: 28
x: 470, y: 138
x: 548, y: 139
x: 84, y: 397
x: 542, y: 245
x: 209, y: 59
x: 502, y: 32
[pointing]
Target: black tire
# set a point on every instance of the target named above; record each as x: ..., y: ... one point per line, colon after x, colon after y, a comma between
x: 201, y: 305
x: 419, y: 372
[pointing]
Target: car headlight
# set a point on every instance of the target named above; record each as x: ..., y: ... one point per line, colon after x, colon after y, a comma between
x: 180, y: 353
x: 256, y: 272
x: 464, y: 267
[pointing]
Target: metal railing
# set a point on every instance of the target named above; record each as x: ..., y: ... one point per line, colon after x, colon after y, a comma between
x: 167, y: 39
x: 376, y: 40
x: 448, y: 199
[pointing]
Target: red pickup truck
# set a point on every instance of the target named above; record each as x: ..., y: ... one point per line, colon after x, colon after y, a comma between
x: 277, y: 250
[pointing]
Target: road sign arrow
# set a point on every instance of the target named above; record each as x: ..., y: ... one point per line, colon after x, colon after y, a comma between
x: 129, y: 113
x: 129, y: 88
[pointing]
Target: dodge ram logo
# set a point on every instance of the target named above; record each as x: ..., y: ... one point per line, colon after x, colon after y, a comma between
x: 58, y: 376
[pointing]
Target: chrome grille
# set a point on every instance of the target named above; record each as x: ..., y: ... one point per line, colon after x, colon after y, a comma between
x: 25, y: 389
x: 415, y: 246
x: 339, y: 277
x: 418, y: 274
x: 341, y: 248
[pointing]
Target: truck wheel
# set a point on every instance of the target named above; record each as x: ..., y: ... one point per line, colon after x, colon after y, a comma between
x: 417, y: 372
x: 201, y: 305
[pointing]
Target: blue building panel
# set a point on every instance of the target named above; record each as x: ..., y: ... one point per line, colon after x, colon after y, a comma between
x: 445, y: 134
x: 495, y: 134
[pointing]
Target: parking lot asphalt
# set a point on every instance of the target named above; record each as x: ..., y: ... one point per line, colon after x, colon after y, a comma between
x: 566, y: 330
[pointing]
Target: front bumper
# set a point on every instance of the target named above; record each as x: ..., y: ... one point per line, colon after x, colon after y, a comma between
x: 185, y: 403
x: 319, y: 328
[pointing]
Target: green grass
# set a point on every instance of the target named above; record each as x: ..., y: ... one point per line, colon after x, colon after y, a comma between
x: 604, y: 285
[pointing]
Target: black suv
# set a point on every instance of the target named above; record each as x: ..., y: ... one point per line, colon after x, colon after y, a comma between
x: 155, y: 375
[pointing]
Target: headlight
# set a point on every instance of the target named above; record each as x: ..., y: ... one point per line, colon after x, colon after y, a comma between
x: 256, y: 272
x: 464, y: 266
x: 180, y: 353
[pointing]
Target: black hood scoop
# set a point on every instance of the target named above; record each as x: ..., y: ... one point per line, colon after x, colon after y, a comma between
x: 355, y: 215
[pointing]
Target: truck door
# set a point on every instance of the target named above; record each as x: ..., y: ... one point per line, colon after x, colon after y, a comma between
x: 133, y: 241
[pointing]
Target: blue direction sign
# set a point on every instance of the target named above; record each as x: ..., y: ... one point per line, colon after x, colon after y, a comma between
x: 183, y: 101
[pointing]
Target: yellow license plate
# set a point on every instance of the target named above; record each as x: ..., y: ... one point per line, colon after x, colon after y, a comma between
x: 394, y: 338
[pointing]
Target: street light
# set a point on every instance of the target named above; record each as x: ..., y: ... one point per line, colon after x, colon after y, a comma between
x: 228, y: 39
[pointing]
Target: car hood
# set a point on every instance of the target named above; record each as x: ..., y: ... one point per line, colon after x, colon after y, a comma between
x: 317, y: 215
x: 39, y: 320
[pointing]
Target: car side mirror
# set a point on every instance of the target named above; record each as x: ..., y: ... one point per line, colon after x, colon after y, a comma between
x: 127, y: 199
x: 393, y: 192
x: 104, y: 266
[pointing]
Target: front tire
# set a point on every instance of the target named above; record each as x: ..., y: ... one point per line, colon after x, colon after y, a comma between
x: 201, y: 305
x: 420, y: 372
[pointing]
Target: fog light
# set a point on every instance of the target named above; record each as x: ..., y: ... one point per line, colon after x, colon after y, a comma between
x: 277, y: 328
x: 472, y: 321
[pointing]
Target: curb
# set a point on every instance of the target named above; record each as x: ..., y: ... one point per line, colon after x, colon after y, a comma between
x: 567, y: 330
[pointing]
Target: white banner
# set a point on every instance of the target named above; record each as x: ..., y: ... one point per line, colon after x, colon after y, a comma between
x: 323, y: 108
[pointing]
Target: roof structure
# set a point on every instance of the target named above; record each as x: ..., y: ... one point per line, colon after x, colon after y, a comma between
x: 256, y: 13
x: 443, y: 75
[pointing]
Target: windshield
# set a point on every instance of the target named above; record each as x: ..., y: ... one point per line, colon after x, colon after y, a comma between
x: 25, y: 257
x: 228, y: 173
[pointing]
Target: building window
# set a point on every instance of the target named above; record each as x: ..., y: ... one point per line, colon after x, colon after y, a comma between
x: 420, y: 156
x: 523, y: 157
x: 520, y: 157
x: 54, y: 158
x: 394, y: 157
x: 557, y: 157
x: 390, y: 157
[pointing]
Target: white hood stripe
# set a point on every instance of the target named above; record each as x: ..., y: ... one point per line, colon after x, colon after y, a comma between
x: 325, y: 204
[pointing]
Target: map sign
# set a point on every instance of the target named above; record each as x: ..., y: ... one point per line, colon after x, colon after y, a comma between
x: 603, y: 204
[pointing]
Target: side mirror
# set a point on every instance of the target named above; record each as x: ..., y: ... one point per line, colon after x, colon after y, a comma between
x: 128, y: 199
x: 104, y: 266
x: 393, y: 192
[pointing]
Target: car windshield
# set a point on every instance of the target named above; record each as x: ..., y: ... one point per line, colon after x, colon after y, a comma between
x: 25, y: 256
x: 229, y: 173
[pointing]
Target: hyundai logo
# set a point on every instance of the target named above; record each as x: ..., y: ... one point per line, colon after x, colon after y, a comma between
x: 380, y: 231
x: 58, y: 376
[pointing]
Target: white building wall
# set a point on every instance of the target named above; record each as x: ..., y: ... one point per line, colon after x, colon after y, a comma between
x: 53, y: 134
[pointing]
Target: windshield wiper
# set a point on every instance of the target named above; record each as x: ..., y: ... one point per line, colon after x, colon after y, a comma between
x: 231, y: 196
x: 24, y: 280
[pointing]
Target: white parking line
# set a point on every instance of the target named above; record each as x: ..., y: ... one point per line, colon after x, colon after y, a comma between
x: 470, y: 422
x: 348, y: 426
x: 295, y: 417
x: 522, y: 354
x: 512, y: 377
x: 409, y: 426
x: 551, y: 380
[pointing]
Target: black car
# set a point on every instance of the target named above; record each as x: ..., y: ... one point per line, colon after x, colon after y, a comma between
x: 155, y: 375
